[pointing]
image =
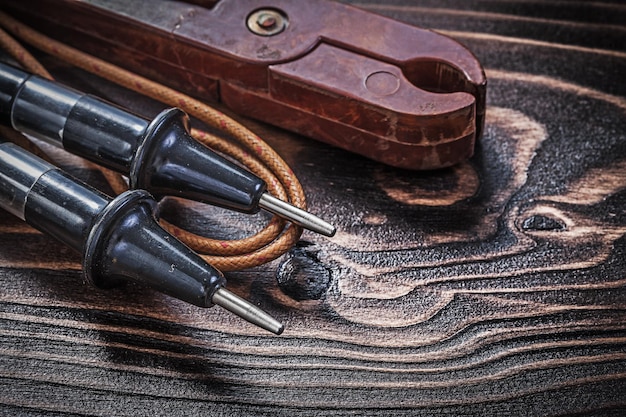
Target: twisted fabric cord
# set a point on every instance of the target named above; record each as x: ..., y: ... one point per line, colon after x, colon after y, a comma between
x: 252, y: 151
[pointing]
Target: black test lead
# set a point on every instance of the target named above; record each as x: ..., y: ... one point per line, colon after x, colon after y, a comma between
x: 119, y: 239
x: 159, y: 156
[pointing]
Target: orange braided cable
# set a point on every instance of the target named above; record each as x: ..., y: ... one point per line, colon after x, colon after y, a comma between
x: 116, y: 181
x: 21, y: 55
x: 253, y: 164
x: 243, y: 246
x: 202, y: 244
x: 226, y: 255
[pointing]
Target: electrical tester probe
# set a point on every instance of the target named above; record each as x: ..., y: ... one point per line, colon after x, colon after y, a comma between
x: 159, y: 156
x: 119, y: 239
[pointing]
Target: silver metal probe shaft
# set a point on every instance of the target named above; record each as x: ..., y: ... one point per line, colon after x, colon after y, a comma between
x: 295, y: 215
x: 246, y: 311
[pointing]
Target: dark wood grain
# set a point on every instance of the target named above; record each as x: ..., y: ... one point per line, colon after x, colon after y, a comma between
x: 497, y: 287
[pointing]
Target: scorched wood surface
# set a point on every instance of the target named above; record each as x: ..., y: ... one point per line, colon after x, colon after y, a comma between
x: 497, y: 287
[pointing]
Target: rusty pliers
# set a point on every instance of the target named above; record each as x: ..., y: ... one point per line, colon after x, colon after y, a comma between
x: 398, y: 94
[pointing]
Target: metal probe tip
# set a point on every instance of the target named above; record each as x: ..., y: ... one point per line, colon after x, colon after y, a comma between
x: 246, y: 311
x: 296, y: 215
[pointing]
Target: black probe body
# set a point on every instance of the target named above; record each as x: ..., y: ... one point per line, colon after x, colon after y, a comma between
x: 119, y: 239
x: 159, y: 155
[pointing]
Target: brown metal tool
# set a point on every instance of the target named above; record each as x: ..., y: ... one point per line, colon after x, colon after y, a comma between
x: 398, y: 94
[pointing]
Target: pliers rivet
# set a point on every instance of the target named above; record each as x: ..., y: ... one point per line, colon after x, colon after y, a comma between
x: 267, y: 22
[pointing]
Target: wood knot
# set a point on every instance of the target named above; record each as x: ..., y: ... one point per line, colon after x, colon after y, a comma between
x: 301, y: 275
x: 542, y: 223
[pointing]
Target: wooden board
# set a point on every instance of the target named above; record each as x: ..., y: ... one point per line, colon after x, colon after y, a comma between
x: 497, y: 287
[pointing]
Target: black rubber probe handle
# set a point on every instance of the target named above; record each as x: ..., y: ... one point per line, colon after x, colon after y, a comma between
x: 158, y: 155
x: 119, y: 239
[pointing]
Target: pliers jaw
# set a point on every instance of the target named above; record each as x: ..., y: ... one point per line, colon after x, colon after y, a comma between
x: 398, y: 94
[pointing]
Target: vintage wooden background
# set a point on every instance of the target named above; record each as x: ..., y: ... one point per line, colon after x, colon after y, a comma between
x: 497, y: 287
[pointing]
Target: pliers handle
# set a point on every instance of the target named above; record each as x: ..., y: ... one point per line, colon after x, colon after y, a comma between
x: 401, y: 95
